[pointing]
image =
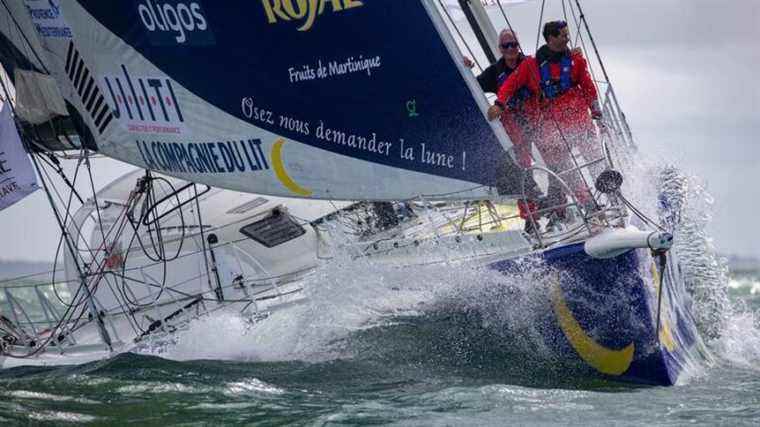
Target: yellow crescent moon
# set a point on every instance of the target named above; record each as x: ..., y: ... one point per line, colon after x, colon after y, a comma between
x: 282, y: 175
x: 604, y: 360
x: 666, y: 337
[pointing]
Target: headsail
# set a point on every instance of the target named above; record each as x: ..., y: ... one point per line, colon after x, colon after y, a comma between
x: 339, y: 99
x: 17, y: 178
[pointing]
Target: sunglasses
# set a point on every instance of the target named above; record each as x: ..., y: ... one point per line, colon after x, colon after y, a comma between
x: 509, y: 45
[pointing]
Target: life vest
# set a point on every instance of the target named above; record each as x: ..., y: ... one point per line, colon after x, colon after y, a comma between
x: 518, y: 99
x: 553, y: 88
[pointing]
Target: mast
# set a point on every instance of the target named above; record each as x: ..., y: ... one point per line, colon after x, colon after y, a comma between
x: 481, y: 25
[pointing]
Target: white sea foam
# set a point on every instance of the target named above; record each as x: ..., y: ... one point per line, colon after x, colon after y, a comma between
x: 348, y: 294
x: 740, y: 342
x: 251, y: 386
x: 59, y: 416
x: 343, y: 296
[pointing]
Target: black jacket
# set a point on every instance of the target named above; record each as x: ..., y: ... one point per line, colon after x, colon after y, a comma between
x: 495, y: 75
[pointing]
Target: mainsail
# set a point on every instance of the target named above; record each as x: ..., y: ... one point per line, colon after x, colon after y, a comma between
x: 336, y: 99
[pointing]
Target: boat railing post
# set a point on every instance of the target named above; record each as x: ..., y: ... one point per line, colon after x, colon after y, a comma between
x: 9, y: 300
x: 41, y: 298
x: 212, y: 240
x: 97, y: 317
x: 47, y: 305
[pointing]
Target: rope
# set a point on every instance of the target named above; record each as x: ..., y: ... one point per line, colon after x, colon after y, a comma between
x: 29, y: 44
x: 663, y: 263
x: 461, y: 37
x: 504, y: 14
x: 540, y: 21
x: 583, y: 46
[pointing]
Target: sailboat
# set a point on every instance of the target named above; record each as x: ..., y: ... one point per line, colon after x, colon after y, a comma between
x: 279, y: 118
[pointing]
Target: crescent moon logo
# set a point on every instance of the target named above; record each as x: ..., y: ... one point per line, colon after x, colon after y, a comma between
x: 282, y: 174
x: 666, y: 336
x: 604, y: 360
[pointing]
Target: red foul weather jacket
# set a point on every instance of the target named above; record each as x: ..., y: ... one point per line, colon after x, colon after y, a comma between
x: 562, y: 92
x: 519, y: 127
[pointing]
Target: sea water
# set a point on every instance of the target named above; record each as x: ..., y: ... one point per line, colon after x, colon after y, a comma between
x: 432, y: 345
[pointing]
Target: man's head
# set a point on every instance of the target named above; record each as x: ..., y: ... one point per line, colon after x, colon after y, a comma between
x: 557, y: 35
x: 508, y: 45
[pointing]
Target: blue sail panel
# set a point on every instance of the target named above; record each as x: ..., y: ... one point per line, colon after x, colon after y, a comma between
x: 372, y: 82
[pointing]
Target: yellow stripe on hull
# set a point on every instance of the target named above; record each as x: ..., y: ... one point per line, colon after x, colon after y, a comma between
x: 604, y: 360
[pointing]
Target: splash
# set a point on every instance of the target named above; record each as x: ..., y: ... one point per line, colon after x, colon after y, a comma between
x: 349, y: 294
x: 728, y: 326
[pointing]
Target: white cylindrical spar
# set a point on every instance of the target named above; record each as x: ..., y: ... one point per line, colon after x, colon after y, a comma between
x: 616, y: 241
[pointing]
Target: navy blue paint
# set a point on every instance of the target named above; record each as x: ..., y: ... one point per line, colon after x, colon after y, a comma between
x: 250, y: 57
x: 608, y: 299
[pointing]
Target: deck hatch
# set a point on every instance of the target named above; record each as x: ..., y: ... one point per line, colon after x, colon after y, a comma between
x: 275, y: 229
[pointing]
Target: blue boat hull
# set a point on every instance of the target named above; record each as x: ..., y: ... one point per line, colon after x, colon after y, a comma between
x: 604, y: 313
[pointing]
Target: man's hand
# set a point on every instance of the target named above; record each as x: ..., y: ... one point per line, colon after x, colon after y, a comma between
x: 494, y: 112
x: 468, y: 62
x: 596, y: 111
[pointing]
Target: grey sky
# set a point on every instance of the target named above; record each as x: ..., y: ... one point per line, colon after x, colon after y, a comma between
x: 686, y: 76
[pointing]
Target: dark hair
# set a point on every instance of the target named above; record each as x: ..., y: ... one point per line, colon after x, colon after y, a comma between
x: 552, y: 28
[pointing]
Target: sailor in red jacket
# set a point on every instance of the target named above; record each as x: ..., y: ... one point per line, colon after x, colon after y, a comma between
x: 563, y: 95
x: 521, y: 121
x: 519, y: 125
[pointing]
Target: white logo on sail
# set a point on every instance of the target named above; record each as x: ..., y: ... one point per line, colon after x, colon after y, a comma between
x: 174, y: 22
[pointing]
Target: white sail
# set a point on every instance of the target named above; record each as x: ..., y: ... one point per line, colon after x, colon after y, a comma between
x: 211, y: 92
x: 17, y: 178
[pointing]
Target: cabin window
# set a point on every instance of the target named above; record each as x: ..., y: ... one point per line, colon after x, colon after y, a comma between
x: 275, y: 229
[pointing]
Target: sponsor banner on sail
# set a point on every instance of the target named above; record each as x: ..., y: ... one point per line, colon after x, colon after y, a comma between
x: 330, y: 92
x: 48, y: 19
x: 17, y: 178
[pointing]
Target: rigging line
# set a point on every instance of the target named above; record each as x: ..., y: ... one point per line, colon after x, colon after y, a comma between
x: 459, y: 33
x: 593, y: 43
x: 68, y: 214
x: 124, y: 286
x: 148, y: 284
x: 95, y: 196
x: 29, y: 44
x: 39, y: 347
x: 63, y: 321
x: 663, y: 264
x: 72, y: 190
x: 564, y: 10
x: 151, y: 199
x: 54, y: 164
x: 583, y: 46
x: 157, y: 217
x: 203, y: 238
x: 53, y: 283
x: 93, y: 254
x: 641, y: 214
x: 540, y: 21
x: 159, y: 252
x: 232, y: 242
x: 54, y: 330
x: 504, y: 14
x: 577, y: 167
x: 121, y: 305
